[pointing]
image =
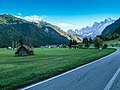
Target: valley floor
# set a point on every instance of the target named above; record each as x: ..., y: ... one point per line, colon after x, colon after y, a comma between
x: 17, y: 72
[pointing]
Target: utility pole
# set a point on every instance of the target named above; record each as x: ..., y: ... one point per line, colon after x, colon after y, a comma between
x: 13, y: 46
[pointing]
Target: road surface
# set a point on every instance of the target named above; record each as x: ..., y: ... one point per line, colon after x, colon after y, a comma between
x: 116, y: 84
x: 93, y: 76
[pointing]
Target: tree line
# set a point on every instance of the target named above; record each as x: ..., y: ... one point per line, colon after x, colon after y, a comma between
x: 87, y: 42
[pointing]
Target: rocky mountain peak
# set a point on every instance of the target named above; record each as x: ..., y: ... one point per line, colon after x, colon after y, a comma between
x: 93, y: 31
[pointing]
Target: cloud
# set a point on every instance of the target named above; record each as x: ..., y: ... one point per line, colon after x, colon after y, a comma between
x: 66, y: 25
x: 33, y: 18
x: 19, y: 14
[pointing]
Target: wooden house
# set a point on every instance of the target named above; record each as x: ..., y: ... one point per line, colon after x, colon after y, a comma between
x: 24, y: 50
x: 74, y: 46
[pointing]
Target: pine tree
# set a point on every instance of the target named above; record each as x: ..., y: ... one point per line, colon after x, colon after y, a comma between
x: 86, y: 43
x: 21, y: 41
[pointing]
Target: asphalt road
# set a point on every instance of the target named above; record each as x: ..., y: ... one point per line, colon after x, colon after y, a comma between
x: 94, y: 76
x: 116, y: 84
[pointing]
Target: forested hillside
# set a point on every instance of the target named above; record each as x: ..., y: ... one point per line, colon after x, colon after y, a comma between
x: 34, y: 34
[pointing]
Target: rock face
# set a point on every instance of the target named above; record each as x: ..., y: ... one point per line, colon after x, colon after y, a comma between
x: 35, y: 34
x: 93, y: 31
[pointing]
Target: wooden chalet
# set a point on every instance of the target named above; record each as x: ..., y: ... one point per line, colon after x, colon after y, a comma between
x: 24, y: 50
x: 74, y: 46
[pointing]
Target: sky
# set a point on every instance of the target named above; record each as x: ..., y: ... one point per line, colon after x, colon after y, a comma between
x: 66, y: 14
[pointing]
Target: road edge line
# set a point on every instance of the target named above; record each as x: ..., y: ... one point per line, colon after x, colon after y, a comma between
x: 98, y: 60
x: 110, y: 83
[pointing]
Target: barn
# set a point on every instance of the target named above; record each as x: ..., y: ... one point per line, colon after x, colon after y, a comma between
x: 24, y: 50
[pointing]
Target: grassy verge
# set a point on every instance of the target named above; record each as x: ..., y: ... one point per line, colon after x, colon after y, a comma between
x: 17, y: 72
x: 113, y: 43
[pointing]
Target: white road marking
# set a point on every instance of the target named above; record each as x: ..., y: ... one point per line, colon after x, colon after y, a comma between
x: 112, y: 80
x: 66, y: 72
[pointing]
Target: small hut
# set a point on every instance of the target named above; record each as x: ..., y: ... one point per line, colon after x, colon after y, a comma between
x: 24, y: 50
x: 74, y: 46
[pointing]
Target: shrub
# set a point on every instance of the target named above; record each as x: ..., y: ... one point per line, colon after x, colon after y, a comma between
x: 104, y: 46
x: 80, y: 46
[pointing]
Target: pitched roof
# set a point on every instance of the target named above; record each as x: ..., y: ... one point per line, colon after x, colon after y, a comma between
x: 26, y: 47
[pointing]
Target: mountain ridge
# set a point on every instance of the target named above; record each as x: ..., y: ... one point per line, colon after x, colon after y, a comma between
x: 93, y: 31
x: 13, y: 28
x: 112, y: 31
x: 111, y: 28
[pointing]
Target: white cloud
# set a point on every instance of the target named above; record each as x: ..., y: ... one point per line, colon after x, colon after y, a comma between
x: 33, y: 18
x: 66, y: 25
x: 19, y: 14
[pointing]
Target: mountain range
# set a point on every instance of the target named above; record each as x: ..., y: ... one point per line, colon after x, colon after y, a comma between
x: 115, y: 27
x: 93, y: 31
x: 35, y: 34
x: 112, y: 31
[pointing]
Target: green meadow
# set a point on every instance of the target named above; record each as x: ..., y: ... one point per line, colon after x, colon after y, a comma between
x: 114, y: 42
x: 18, y: 72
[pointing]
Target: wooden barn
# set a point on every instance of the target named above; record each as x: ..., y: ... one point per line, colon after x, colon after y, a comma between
x: 74, y: 46
x: 24, y: 50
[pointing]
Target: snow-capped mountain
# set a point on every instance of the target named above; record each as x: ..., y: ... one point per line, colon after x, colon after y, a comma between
x: 93, y: 31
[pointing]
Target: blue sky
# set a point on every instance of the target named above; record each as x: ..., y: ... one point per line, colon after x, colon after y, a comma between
x: 63, y: 13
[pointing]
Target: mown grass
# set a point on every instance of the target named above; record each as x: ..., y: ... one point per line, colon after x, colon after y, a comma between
x: 113, y: 43
x: 17, y: 72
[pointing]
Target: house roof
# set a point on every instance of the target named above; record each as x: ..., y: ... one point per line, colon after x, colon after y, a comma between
x: 26, y: 47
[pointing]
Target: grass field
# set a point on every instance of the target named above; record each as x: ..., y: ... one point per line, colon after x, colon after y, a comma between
x: 113, y: 43
x: 17, y: 72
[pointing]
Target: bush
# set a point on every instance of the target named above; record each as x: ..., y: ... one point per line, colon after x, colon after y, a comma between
x: 104, y: 46
x: 80, y: 46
